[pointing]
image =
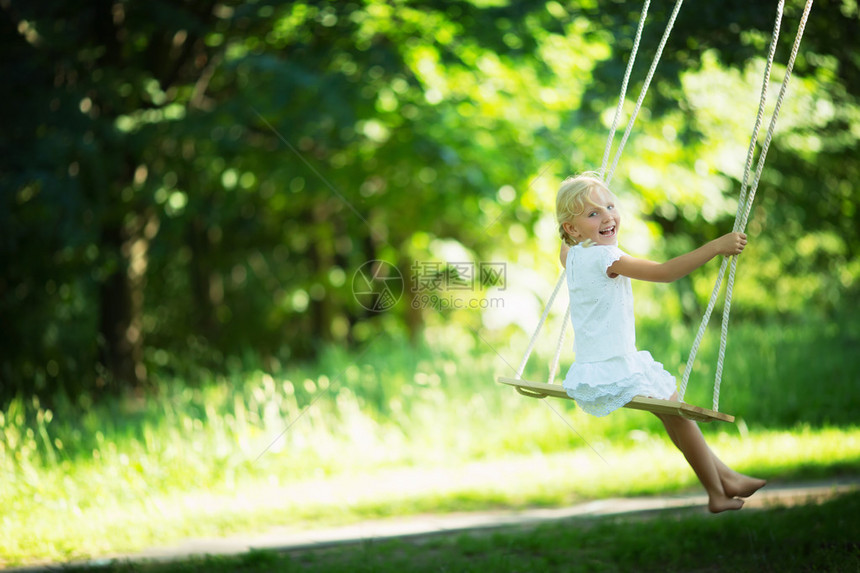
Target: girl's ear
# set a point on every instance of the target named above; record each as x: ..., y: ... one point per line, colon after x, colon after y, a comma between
x: 570, y: 229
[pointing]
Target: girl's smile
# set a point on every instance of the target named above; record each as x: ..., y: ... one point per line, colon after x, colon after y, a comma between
x: 599, y: 223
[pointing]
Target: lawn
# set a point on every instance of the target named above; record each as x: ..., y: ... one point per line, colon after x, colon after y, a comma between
x: 393, y: 430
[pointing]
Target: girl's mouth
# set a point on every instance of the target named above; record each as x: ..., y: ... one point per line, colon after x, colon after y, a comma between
x: 608, y: 232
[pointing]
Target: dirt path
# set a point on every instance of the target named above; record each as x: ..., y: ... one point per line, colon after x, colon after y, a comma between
x: 416, y: 526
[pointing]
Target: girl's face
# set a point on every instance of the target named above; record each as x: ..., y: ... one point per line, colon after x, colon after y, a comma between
x: 599, y: 222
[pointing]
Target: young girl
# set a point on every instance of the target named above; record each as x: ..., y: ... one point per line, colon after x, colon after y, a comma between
x: 609, y: 371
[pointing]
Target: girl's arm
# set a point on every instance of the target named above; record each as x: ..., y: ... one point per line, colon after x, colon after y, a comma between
x: 562, y: 254
x: 672, y: 270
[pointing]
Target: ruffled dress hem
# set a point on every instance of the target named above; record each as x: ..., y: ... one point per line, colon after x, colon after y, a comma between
x: 602, y: 387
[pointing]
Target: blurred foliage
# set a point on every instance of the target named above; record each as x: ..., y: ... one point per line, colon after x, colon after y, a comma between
x: 197, y: 181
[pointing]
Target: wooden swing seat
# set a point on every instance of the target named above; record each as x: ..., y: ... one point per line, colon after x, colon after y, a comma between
x: 542, y: 390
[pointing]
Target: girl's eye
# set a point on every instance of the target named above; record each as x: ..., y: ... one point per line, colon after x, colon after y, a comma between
x: 610, y: 206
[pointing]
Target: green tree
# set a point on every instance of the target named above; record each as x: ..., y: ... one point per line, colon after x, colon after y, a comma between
x: 94, y: 90
x: 189, y: 181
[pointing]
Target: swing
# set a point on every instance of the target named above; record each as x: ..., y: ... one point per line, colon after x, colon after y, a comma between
x: 745, y: 201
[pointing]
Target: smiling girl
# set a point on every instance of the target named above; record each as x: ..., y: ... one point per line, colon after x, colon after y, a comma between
x: 609, y: 370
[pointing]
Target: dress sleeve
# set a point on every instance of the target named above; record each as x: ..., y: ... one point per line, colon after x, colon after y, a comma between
x: 608, y: 255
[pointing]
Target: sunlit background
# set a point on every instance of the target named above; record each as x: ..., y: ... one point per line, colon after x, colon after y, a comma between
x: 191, y: 189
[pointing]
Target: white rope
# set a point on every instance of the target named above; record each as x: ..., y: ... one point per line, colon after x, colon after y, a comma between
x: 533, y: 341
x: 741, y: 201
x: 623, y: 94
x: 746, y: 199
x: 741, y: 225
x: 554, y: 368
x: 644, y: 90
x: 742, y: 198
x: 782, y: 91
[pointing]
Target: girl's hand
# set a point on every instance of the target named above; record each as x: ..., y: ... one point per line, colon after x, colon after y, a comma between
x: 731, y: 244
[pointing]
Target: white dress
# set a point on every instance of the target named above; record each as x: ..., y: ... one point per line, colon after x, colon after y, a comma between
x: 608, y: 371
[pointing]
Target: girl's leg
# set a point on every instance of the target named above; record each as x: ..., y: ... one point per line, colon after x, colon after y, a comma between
x: 735, y: 484
x: 688, y: 438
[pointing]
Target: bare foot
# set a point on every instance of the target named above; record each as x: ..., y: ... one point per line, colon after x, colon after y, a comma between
x: 719, y: 504
x: 742, y: 486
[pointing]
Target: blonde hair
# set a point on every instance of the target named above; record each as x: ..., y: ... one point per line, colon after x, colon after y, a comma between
x: 573, y: 198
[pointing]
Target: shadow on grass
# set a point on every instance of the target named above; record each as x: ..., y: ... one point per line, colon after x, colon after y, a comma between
x: 811, y: 537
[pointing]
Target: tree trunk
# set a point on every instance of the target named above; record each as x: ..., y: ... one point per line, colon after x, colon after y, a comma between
x: 206, y: 292
x: 413, y: 313
x: 115, y: 320
x: 122, y: 297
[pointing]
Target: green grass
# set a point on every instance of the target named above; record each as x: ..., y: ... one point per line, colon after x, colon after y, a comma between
x: 392, y: 430
x: 779, y: 539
